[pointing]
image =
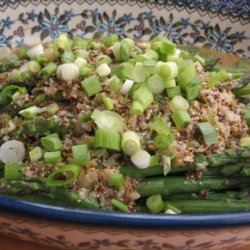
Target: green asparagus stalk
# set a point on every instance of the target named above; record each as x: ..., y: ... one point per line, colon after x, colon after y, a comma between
x: 23, y: 187
x: 175, y: 185
x: 209, y: 206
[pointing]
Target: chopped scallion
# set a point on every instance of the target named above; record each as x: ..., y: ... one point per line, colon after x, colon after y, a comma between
x: 181, y: 118
x: 52, y: 157
x: 80, y: 154
x: 91, y: 85
x: 208, y: 132
x: 130, y: 142
x: 107, y: 139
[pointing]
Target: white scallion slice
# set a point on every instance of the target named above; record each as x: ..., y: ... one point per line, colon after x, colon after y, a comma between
x: 178, y: 103
x: 156, y: 84
x: 12, y: 151
x: 127, y: 85
x: 108, y: 120
x: 130, y: 142
x: 103, y: 70
x: 36, y: 51
x: 68, y: 72
x: 79, y: 62
x: 141, y: 159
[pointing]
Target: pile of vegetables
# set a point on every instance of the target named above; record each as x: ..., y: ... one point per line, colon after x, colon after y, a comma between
x: 65, y: 116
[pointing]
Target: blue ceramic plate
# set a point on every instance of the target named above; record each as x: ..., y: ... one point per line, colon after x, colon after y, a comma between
x: 123, y: 219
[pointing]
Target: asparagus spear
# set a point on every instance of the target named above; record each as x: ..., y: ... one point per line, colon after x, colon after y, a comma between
x: 176, y: 185
x: 209, y: 206
x: 23, y: 187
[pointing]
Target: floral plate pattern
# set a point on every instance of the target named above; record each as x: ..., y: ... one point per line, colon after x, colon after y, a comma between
x: 211, y: 24
x: 222, y: 25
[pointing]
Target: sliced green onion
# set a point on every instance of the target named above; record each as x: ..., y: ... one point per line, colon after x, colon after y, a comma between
x: 52, y: 54
x: 124, y: 51
x: 170, y: 209
x: 140, y: 74
x: 49, y: 69
x: 91, y: 85
x: 68, y: 72
x: 108, y: 103
x: 15, y: 75
x: 137, y: 108
x: 141, y: 159
x: 193, y: 88
x: 82, y: 53
x: 154, y: 160
x: 222, y: 76
x: 160, y: 126
x: 187, y: 72
x: 103, y: 70
x: 208, y: 132
x: 115, y: 84
x: 181, y: 118
x: 79, y: 43
x: 144, y: 96
x: 129, y: 70
x: 34, y: 67
x: 163, y: 140
x: 41, y: 59
x: 212, y: 80
x: 166, y: 162
x: 52, y: 109
x: 110, y: 40
x: 175, y: 91
x: 36, y: 154
x: 35, y: 51
x: 108, y: 120
x: 119, y: 205
x: 23, y: 53
x: 80, y: 62
x: 12, y: 151
x: 156, y: 84
x: 107, y: 139
x: 116, y: 180
x: 64, y: 176
x: 30, y: 112
x: 25, y: 76
x: 130, y: 143
x: 12, y: 171
x: 167, y: 47
x: 62, y: 41
x: 52, y: 142
x: 167, y: 70
x: 155, y: 203
x: 81, y: 154
x: 86, y: 70
x: 152, y: 54
x: 101, y: 59
x: 171, y: 83
x: 174, y: 58
x: 68, y: 57
x: 245, y: 142
x: 116, y: 51
x: 127, y: 85
x: 199, y: 59
x: 178, y: 103
x: 52, y: 157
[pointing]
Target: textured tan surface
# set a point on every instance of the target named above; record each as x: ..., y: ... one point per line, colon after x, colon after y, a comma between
x: 7, y: 243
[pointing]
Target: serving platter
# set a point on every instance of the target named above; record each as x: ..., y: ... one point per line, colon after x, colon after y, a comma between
x: 221, y: 25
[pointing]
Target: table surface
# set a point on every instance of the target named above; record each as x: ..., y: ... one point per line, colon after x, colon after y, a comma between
x: 7, y: 243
